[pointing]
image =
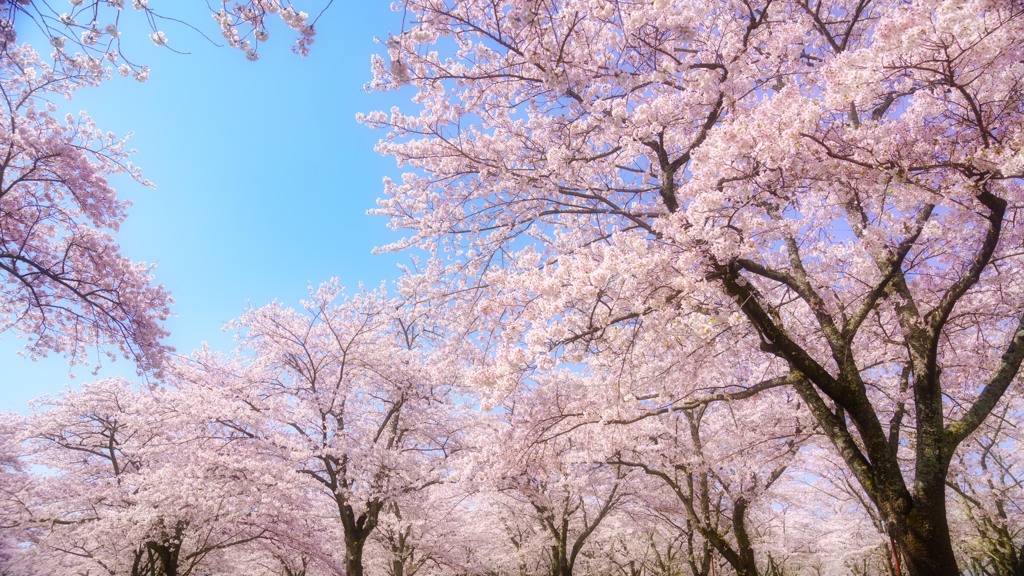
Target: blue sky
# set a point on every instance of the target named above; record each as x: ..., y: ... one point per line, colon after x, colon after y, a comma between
x: 263, y: 177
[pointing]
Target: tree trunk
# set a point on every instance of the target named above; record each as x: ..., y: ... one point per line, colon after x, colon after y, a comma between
x: 921, y: 533
x: 354, y: 557
x: 168, y: 557
x: 745, y: 564
x: 357, y: 530
x: 926, y: 545
x: 559, y: 561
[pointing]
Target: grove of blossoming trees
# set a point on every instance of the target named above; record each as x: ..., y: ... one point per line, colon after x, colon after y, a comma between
x: 832, y: 188
x: 710, y: 287
x: 343, y: 438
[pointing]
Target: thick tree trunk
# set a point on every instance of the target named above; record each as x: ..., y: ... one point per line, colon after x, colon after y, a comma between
x: 926, y: 545
x: 745, y: 563
x: 354, y: 557
x: 357, y: 530
x: 920, y: 529
x: 924, y: 536
x: 168, y: 558
x: 560, y: 565
x: 916, y: 519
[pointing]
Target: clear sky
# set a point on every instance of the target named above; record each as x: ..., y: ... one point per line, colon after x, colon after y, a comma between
x: 263, y: 176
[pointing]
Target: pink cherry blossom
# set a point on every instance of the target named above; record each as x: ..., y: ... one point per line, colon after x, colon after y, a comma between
x: 827, y: 191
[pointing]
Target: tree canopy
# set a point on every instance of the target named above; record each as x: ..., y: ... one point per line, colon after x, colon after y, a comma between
x: 698, y: 285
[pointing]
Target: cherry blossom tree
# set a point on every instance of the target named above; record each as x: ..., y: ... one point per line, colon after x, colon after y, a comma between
x: 400, y: 534
x: 553, y: 479
x: 715, y: 474
x: 437, y: 530
x: 837, y: 184
x: 346, y: 392
x: 66, y: 286
x: 128, y: 487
